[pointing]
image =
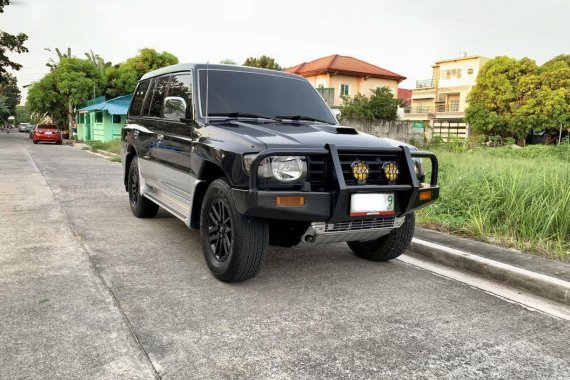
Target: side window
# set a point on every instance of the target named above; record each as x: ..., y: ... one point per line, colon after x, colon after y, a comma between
x: 148, y: 97
x: 116, y: 119
x: 98, y: 117
x: 138, y: 99
x: 180, y: 87
x: 158, y: 96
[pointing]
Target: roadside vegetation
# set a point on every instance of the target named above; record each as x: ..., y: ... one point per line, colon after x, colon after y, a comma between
x: 515, y: 197
x: 113, y: 146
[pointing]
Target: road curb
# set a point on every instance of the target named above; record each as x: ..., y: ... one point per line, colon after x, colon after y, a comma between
x: 539, y: 284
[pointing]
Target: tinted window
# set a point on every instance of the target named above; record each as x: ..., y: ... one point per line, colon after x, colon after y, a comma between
x: 181, y: 86
x: 148, y: 97
x: 262, y: 95
x: 158, y: 96
x: 138, y: 99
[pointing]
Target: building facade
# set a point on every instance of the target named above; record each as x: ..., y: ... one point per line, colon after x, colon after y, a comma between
x: 441, y: 100
x: 103, y: 120
x: 336, y: 76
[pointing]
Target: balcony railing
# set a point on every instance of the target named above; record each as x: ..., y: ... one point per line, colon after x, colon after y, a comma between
x: 419, y: 109
x: 452, y: 107
x: 423, y: 93
x: 424, y: 83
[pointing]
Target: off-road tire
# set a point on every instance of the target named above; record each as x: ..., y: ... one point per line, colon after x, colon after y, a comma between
x: 387, y: 247
x: 249, y: 237
x: 140, y: 206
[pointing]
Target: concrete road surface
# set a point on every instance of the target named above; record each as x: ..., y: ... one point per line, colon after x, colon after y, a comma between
x: 87, y: 291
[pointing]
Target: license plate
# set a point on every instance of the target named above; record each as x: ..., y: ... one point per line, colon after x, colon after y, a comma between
x: 48, y: 133
x: 372, y: 204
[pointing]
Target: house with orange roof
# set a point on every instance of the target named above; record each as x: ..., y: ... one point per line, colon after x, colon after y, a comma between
x: 338, y: 75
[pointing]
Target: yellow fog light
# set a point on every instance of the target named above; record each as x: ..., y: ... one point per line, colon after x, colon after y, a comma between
x: 390, y: 171
x: 290, y: 201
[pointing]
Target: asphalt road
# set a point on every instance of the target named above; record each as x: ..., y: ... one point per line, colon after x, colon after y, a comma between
x: 88, y: 291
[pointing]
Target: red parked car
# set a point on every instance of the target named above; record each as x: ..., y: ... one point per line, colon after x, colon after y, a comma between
x: 47, y: 132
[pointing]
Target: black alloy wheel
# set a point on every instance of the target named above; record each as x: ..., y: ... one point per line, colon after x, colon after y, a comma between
x: 234, y: 245
x: 140, y: 206
x: 220, y: 233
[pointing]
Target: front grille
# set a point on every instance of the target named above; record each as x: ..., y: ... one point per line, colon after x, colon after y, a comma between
x: 373, y: 160
x: 355, y: 225
x: 317, y: 170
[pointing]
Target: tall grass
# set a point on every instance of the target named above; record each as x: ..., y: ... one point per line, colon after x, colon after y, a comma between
x: 514, y: 197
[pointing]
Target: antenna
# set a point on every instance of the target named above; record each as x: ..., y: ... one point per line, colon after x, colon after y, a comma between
x: 207, y: 88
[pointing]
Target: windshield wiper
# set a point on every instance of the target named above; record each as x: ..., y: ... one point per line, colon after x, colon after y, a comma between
x: 241, y: 114
x: 300, y: 117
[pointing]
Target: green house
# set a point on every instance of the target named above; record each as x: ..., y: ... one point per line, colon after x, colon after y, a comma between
x: 103, y: 120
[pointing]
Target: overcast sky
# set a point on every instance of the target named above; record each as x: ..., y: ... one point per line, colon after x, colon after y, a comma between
x: 402, y: 36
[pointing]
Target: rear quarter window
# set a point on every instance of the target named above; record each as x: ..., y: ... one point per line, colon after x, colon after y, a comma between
x: 138, y: 98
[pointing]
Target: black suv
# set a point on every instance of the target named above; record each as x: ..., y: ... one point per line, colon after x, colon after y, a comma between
x: 253, y: 157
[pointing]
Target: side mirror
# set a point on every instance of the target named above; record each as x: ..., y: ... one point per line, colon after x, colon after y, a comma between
x: 175, y: 108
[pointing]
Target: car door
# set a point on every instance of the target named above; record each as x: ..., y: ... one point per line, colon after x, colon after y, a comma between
x: 173, y: 147
x: 139, y: 131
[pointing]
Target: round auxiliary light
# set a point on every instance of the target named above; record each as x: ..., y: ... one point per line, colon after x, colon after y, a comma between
x: 390, y: 171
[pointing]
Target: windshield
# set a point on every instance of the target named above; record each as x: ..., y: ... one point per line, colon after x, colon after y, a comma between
x: 263, y: 95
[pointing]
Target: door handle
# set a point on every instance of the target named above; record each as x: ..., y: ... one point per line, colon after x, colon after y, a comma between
x: 160, y: 138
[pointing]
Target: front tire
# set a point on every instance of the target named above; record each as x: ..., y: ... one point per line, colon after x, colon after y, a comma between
x: 387, y: 247
x: 234, y: 245
x: 140, y: 206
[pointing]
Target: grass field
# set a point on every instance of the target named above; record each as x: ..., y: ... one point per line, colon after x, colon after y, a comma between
x: 513, y: 197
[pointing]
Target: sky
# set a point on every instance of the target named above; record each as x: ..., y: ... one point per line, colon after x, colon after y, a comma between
x: 405, y: 37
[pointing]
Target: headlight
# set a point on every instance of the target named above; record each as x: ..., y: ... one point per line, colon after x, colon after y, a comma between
x: 288, y: 168
x: 419, y: 168
x: 282, y: 168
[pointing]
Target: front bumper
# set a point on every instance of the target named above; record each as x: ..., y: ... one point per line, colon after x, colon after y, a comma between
x: 333, y: 206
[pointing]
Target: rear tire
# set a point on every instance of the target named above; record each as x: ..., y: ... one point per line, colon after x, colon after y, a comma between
x: 35, y: 141
x: 140, y: 206
x: 234, y: 245
x: 387, y: 247
x: 59, y: 142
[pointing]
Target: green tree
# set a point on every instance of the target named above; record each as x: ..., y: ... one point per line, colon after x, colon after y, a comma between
x: 382, y: 105
x: 22, y: 114
x: 98, y: 61
x: 228, y: 61
x: 69, y: 84
x: 565, y: 58
x: 122, y: 78
x: 51, y: 63
x: 264, y: 62
x: 4, y: 108
x: 10, y: 43
x: 9, y: 89
x: 503, y: 86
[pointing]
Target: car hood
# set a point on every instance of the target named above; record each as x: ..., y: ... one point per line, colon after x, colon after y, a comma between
x: 298, y: 135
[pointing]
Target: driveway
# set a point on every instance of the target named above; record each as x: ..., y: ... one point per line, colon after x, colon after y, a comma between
x: 89, y: 291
